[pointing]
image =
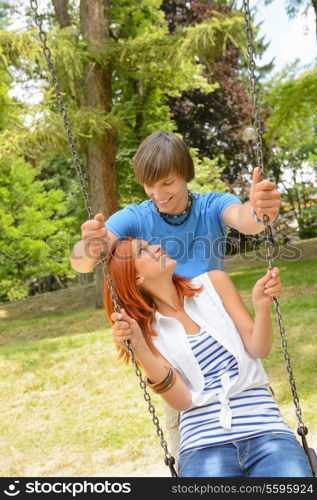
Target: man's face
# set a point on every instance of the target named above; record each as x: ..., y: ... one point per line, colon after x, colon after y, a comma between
x: 168, y: 193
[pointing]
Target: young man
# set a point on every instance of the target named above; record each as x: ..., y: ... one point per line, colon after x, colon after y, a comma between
x: 191, y: 227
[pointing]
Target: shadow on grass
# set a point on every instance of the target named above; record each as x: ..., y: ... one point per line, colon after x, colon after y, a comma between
x: 58, y: 325
x: 33, y: 319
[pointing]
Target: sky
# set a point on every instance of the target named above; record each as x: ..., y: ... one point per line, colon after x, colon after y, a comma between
x: 290, y: 38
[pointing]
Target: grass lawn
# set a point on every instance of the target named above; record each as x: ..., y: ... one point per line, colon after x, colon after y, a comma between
x: 70, y: 408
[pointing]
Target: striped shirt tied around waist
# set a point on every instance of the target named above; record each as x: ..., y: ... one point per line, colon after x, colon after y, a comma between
x: 220, y: 420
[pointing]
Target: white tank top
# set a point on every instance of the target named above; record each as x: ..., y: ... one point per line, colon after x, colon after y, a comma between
x: 207, y: 310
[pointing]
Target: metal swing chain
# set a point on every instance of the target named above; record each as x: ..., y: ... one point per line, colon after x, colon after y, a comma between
x: 302, y: 430
x: 51, y: 67
x: 169, y: 459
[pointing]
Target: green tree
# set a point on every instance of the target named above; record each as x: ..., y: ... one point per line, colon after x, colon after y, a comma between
x: 36, y: 234
x: 116, y: 75
x: 292, y: 138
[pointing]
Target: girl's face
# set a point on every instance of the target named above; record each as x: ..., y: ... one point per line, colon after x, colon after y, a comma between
x: 151, y: 261
x: 168, y: 194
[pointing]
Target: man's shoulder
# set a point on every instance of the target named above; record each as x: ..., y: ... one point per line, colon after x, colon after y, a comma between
x: 134, y: 208
x: 213, y: 197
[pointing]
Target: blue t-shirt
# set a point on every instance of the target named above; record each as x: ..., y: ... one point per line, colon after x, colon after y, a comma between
x: 198, y: 245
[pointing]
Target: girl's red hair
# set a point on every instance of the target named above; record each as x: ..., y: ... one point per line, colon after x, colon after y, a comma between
x: 138, y: 305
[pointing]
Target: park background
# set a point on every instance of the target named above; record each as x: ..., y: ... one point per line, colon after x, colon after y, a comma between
x: 68, y: 406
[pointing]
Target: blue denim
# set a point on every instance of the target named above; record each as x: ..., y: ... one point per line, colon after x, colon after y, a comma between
x: 269, y: 455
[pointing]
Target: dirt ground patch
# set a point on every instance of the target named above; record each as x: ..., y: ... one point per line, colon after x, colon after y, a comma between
x: 43, y: 305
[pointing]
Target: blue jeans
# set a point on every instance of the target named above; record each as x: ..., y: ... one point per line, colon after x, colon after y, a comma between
x: 269, y: 455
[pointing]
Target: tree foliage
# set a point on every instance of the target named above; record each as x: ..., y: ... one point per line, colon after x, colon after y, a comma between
x: 213, y: 123
x: 173, y: 65
x: 35, y: 229
x: 142, y: 56
x: 292, y: 139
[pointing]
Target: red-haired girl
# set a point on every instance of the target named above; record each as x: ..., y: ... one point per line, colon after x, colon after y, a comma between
x: 199, y: 348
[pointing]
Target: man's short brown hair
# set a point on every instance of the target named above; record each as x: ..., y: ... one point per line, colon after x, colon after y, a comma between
x: 160, y: 154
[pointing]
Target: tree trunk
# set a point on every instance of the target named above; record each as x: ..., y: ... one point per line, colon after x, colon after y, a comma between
x: 85, y: 278
x: 95, y: 90
x: 101, y: 151
x: 62, y: 16
x: 61, y: 12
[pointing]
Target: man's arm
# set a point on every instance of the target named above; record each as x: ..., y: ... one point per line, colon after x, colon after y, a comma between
x: 240, y: 218
x: 264, y: 199
x: 82, y: 261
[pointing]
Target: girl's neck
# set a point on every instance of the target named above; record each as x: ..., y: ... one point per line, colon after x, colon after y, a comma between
x: 166, y: 299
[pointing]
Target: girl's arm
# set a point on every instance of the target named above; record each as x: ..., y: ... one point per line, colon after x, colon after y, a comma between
x: 178, y: 396
x: 257, y: 333
x: 155, y: 367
